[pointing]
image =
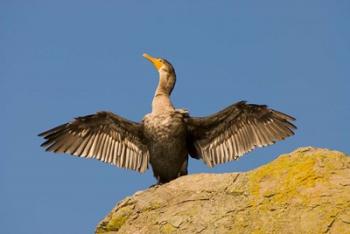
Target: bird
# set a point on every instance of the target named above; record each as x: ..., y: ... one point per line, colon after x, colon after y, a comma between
x: 167, y: 136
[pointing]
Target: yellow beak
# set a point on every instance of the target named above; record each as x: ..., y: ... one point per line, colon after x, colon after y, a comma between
x: 156, y: 62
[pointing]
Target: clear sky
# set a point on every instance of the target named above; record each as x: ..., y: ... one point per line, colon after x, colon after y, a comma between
x: 62, y: 59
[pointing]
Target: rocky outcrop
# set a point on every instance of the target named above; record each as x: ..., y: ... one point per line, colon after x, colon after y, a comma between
x: 306, y: 191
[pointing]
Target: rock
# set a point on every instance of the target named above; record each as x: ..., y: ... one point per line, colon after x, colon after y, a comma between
x: 306, y: 191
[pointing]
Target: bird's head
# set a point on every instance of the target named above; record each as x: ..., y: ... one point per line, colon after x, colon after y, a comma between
x: 167, y: 76
x: 162, y: 65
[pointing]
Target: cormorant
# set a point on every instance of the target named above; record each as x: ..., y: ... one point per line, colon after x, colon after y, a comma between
x: 166, y: 136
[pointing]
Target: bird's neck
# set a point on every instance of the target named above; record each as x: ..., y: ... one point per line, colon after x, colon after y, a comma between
x: 161, y: 102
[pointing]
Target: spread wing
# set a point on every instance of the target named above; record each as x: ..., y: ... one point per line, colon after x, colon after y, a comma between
x: 103, y: 136
x: 238, y: 129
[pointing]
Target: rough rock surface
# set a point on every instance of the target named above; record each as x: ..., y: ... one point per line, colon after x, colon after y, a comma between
x: 306, y: 191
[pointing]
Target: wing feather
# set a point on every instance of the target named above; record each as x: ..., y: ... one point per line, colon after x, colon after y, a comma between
x: 236, y: 130
x: 103, y: 136
x: 89, y: 146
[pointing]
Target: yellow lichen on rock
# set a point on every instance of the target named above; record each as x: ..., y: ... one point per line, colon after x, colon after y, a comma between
x: 306, y: 191
x: 116, y: 219
x: 167, y: 229
x: 285, y: 178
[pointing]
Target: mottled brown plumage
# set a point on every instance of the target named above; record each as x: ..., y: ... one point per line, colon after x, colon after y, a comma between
x: 167, y: 135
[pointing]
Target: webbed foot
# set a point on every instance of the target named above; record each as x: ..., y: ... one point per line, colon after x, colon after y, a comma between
x: 155, y: 185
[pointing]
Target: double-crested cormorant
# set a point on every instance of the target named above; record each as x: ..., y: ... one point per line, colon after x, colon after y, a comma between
x: 166, y: 136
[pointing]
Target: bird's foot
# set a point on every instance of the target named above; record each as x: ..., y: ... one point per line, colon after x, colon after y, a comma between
x: 155, y: 185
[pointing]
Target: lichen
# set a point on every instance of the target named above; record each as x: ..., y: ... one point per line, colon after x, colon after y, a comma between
x: 152, y: 206
x: 283, y: 179
x: 116, y: 220
x: 168, y: 229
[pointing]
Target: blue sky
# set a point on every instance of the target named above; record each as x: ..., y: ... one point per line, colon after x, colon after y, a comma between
x: 62, y: 59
